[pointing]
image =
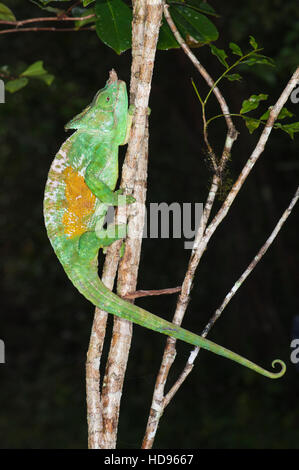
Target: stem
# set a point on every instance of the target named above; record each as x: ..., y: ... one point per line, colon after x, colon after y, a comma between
x: 229, y: 69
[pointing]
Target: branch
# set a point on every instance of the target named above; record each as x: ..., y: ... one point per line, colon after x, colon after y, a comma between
x: 253, y: 263
x: 26, y: 30
x: 47, y: 18
x: 229, y: 296
x: 146, y: 293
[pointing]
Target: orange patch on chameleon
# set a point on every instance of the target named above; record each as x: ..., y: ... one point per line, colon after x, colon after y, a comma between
x: 80, y: 203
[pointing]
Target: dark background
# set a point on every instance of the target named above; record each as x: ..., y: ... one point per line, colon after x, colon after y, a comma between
x: 46, y: 323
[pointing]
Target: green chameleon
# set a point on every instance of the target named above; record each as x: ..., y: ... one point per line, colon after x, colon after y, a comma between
x: 79, y: 190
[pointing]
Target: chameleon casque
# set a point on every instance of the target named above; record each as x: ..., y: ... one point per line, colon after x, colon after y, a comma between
x: 79, y: 190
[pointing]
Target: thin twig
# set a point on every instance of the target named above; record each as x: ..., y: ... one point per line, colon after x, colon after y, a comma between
x: 47, y: 18
x: 35, y: 29
x: 199, y: 67
x: 147, y: 293
x: 253, y: 264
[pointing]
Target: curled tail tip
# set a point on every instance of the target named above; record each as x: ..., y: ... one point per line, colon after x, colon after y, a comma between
x: 281, y: 372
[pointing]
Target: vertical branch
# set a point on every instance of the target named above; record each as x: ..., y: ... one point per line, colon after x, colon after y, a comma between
x: 142, y: 69
x: 94, y: 354
x: 96, y: 438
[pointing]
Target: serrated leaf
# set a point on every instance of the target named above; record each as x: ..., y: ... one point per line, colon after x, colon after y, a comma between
x: 220, y: 54
x: 193, y: 24
x: 251, y: 124
x: 233, y: 77
x: 6, y: 14
x: 252, y: 103
x: 288, y: 128
x: 36, y: 70
x: 235, y: 49
x: 166, y: 38
x: 113, y: 24
x: 15, y: 85
x: 253, y: 42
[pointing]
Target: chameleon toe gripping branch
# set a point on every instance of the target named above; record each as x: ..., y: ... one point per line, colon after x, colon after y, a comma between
x: 79, y: 190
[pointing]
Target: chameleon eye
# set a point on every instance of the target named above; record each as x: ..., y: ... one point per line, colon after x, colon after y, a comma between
x: 108, y: 99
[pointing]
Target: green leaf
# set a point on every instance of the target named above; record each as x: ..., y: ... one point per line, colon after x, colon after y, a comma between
x: 15, y: 85
x: 253, y: 42
x: 233, y: 76
x: 77, y: 11
x: 36, y: 70
x: 235, y: 49
x: 259, y: 59
x: 198, y: 5
x: 204, y: 6
x: 284, y: 113
x: 166, y: 38
x: 251, y: 124
x: 288, y: 128
x: 195, y: 28
x: 220, y: 54
x: 87, y: 2
x: 45, y: 2
x: 252, y: 103
x: 265, y: 116
x: 113, y: 24
x: 6, y: 14
x: 57, y: 11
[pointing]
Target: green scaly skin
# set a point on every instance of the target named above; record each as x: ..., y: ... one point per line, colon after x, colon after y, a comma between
x: 80, y: 187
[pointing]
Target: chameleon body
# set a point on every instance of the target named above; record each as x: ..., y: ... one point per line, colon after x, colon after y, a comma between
x: 79, y: 189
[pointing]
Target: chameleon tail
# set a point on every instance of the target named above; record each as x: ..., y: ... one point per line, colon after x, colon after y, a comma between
x: 88, y: 283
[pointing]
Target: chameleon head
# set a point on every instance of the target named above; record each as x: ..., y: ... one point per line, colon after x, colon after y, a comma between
x: 107, y: 109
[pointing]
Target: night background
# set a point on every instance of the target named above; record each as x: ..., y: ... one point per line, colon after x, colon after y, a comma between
x: 45, y: 323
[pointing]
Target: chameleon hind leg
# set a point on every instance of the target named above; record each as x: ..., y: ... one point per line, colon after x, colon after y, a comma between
x: 91, y: 242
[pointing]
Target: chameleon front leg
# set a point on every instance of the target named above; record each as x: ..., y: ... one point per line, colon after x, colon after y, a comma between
x: 102, y: 191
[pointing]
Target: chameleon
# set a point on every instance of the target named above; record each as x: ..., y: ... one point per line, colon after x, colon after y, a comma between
x: 79, y: 190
